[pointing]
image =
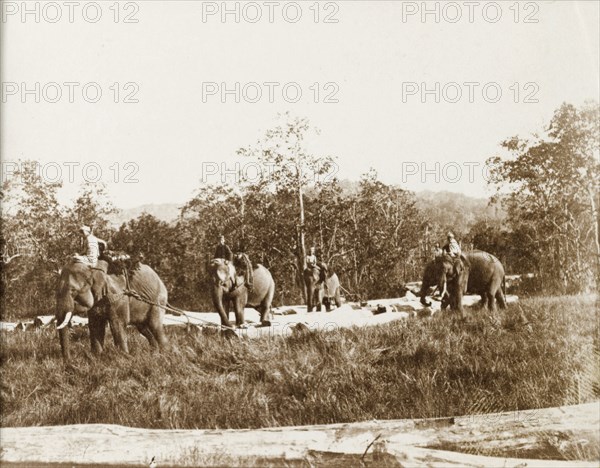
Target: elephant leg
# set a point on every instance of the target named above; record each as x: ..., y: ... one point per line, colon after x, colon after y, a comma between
x: 265, y: 306
x: 500, y: 299
x: 265, y: 314
x: 491, y: 303
x: 450, y: 302
x: 338, y: 299
x: 459, y: 307
x: 222, y: 309
x: 97, y: 326
x: 145, y: 330
x: 456, y: 301
x: 117, y: 328
x: 319, y: 300
x: 309, y: 298
x: 156, y: 327
x: 238, y: 307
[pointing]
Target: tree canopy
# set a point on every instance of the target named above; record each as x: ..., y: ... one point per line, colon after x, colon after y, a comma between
x: 550, y: 190
x: 376, y: 236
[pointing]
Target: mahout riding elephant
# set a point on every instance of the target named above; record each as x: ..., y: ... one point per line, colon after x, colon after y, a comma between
x: 83, y: 288
x: 315, y: 291
x: 230, y: 289
x: 476, y: 272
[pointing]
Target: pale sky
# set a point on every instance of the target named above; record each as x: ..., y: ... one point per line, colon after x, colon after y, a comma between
x: 373, y: 53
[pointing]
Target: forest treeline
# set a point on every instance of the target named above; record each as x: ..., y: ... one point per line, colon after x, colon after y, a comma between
x: 376, y: 236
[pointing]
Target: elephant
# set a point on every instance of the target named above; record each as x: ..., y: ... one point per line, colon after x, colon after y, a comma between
x: 315, y: 292
x: 477, y: 272
x: 84, y: 288
x: 229, y: 288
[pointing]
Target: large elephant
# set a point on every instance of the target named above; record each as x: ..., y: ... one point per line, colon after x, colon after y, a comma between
x: 82, y: 288
x: 229, y: 289
x: 315, y: 292
x: 476, y: 272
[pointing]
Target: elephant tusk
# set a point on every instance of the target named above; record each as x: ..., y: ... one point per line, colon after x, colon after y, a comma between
x: 65, y: 321
x: 445, y: 290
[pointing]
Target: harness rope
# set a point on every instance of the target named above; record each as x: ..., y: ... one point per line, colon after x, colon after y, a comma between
x: 169, y: 307
x: 113, y: 298
x: 350, y: 293
x: 234, y: 289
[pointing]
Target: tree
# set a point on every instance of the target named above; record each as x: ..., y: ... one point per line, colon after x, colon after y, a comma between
x: 32, y: 226
x: 550, y: 188
x: 93, y: 207
x: 386, y: 228
x: 288, y: 165
x: 214, y: 210
x: 38, y: 235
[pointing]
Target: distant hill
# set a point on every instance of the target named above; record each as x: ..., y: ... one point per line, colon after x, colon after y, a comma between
x: 449, y: 209
x: 456, y: 211
x: 163, y: 211
x: 453, y: 201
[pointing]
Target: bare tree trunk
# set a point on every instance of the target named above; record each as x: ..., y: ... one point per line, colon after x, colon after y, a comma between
x: 243, y: 223
x: 426, y: 254
x: 354, y: 257
x: 301, y: 244
x: 596, y: 225
x: 321, y: 234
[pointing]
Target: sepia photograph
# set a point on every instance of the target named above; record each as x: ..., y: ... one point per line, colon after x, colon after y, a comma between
x: 312, y: 233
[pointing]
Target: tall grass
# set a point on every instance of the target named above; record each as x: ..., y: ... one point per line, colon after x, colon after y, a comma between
x: 538, y: 353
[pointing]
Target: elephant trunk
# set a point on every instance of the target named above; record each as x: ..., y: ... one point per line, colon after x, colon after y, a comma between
x: 428, y: 280
x: 63, y: 336
x: 424, y: 289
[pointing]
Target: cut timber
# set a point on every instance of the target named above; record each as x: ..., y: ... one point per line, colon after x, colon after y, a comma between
x: 461, y: 441
x: 285, y: 318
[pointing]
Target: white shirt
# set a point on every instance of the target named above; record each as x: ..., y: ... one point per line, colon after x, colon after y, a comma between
x: 311, y: 260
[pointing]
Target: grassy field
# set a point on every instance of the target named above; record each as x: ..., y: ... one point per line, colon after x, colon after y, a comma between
x: 539, y: 353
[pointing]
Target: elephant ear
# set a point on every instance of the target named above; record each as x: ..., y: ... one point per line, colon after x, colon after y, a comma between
x: 461, y: 266
x: 222, y: 272
x: 221, y: 275
x: 99, y: 285
x: 457, y: 268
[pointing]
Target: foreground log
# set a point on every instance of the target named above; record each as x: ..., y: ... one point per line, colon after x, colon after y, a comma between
x: 551, y: 437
